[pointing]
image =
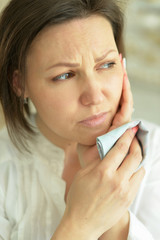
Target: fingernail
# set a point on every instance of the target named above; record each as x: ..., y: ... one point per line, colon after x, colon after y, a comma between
x: 124, y: 63
x: 135, y: 129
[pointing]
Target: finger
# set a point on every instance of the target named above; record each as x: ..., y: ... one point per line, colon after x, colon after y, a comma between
x: 127, y: 93
x: 124, y: 64
x: 88, y: 155
x: 125, y: 109
x: 132, y: 161
x: 124, y: 113
x: 126, y: 99
x: 117, y: 154
x: 136, y: 180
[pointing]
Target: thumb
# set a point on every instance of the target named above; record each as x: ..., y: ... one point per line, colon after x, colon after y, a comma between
x: 87, y: 155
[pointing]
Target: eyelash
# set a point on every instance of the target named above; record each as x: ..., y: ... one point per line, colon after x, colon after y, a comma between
x: 58, y: 77
x: 111, y: 64
x: 70, y: 74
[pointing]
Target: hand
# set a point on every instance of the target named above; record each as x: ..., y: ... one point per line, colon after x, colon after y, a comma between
x: 122, y: 116
x: 102, y: 191
x: 125, y: 109
x: 119, y: 231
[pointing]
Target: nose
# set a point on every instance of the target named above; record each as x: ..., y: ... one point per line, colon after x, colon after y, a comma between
x: 92, y: 93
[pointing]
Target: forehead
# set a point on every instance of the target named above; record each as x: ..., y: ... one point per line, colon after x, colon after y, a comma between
x: 72, y: 37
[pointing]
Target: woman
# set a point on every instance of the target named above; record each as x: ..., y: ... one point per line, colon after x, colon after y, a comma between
x: 65, y: 57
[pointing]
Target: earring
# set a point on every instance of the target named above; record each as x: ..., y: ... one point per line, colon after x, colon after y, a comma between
x: 25, y: 101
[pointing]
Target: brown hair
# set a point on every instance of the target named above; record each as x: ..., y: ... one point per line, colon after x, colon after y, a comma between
x: 20, y: 22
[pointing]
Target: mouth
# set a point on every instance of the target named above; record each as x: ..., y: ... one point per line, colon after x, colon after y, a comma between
x: 95, y: 120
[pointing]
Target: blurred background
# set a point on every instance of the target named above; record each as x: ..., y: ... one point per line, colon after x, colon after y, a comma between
x: 142, y: 43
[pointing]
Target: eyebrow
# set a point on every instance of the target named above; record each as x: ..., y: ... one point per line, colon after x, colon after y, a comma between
x: 73, y: 65
x: 104, y: 55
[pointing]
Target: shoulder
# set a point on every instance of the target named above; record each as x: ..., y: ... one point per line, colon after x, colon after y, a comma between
x: 9, y: 152
x: 7, y: 148
x: 42, y: 154
x: 11, y: 160
x: 8, y: 170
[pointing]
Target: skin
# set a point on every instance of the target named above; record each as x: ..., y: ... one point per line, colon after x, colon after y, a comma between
x: 93, y: 87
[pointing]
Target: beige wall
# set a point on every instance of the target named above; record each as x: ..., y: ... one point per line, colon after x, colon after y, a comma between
x: 3, y: 3
x: 142, y: 41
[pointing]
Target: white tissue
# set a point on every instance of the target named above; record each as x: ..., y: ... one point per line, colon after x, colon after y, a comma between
x: 107, y: 141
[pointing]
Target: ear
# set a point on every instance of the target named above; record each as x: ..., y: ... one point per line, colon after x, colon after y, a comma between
x: 17, y: 84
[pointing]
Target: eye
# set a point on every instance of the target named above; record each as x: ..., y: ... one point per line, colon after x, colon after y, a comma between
x: 107, y: 65
x: 64, y: 76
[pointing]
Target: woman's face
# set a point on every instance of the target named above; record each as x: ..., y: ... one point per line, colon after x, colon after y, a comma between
x: 74, y: 79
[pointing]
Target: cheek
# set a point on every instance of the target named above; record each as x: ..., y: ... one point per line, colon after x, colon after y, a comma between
x: 47, y: 103
x: 113, y: 87
x: 52, y: 103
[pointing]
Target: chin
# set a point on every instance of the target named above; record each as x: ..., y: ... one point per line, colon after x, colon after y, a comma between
x: 90, y: 139
x: 87, y: 136
x: 88, y: 142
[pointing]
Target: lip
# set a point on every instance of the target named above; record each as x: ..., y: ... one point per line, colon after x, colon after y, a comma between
x: 94, y: 120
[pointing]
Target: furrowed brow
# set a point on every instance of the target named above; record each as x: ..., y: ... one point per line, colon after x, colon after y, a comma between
x: 104, y: 55
x: 74, y: 65
x: 64, y: 64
